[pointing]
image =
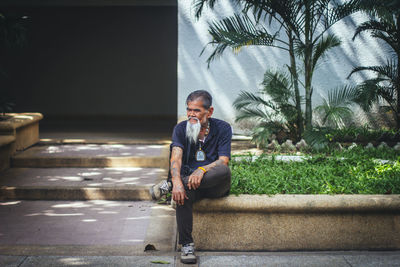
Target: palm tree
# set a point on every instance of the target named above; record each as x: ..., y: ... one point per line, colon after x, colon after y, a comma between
x: 273, y: 107
x: 305, y: 22
x: 239, y: 31
x: 334, y: 109
x: 385, y: 26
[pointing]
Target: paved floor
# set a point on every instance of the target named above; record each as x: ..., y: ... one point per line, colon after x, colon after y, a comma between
x: 353, y: 259
x: 82, y: 177
x: 74, y: 222
x: 84, y: 228
x: 114, y: 233
x: 94, y: 150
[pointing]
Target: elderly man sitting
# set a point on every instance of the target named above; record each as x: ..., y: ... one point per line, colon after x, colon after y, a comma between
x: 200, y: 153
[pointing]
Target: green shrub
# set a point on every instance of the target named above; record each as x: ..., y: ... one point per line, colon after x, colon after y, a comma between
x: 317, y: 175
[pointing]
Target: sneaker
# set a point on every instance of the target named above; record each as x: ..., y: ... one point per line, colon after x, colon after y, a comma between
x: 160, y: 189
x: 187, y: 254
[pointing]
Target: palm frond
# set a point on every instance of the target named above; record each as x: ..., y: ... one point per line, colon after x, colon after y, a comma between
x: 299, y: 48
x: 235, y: 32
x: 342, y: 96
x: 248, y: 99
x: 198, y: 6
x: 388, y: 94
x: 278, y: 85
x: 253, y: 113
x: 391, y: 39
x: 340, y: 11
x: 375, y: 25
x: 323, y: 45
x: 260, y: 135
x: 372, y: 91
x: 383, y: 9
x: 334, y: 110
x: 286, y: 12
x: 389, y: 70
x: 280, y: 110
x: 368, y: 93
x: 316, y: 138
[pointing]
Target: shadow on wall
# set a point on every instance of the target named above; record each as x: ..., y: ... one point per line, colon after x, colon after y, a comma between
x: 233, y: 73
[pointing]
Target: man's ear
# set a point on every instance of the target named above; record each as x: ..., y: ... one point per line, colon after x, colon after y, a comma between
x: 210, y: 112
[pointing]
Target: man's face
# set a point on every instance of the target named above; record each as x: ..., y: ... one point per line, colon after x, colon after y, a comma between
x: 196, y: 109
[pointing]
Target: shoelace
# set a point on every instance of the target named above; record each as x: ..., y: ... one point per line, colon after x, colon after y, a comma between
x: 188, y: 249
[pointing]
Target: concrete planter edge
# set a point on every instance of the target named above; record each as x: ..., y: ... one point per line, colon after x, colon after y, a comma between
x: 298, y: 222
x: 24, y: 127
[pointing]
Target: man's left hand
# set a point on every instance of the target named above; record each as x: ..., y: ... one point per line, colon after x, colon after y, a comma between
x: 195, y: 179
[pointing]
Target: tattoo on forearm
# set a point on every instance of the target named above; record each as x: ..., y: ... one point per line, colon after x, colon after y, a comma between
x: 176, y: 152
x: 176, y: 161
x: 174, y: 169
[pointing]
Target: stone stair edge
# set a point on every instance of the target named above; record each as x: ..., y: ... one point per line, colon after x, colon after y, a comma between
x: 74, y: 193
x: 75, y: 141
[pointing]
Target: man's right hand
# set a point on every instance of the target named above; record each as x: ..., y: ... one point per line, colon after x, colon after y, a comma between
x: 179, y: 194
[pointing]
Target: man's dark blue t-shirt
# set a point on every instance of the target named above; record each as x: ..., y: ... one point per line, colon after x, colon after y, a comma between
x: 217, y: 143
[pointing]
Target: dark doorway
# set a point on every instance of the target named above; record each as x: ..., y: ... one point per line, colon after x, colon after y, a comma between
x: 89, y: 66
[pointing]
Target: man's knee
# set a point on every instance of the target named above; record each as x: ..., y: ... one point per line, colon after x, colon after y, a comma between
x: 221, y: 171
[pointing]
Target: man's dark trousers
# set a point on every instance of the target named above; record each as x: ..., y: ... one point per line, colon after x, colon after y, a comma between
x: 215, y: 183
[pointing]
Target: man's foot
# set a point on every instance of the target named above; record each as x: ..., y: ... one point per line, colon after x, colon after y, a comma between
x: 187, y: 254
x: 160, y: 189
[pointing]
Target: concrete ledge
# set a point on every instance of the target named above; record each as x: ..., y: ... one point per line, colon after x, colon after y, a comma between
x: 25, y: 128
x: 7, y: 146
x: 93, y: 155
x: 93, y: 162
x: 298, y: 222
x: 74, y: 193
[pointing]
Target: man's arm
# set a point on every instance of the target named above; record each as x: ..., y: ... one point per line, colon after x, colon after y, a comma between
x: 196, y: 177
x: 178, y: 190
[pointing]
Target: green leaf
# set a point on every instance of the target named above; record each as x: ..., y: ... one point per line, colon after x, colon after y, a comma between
x: 160, y: 262
x: 236, y: 32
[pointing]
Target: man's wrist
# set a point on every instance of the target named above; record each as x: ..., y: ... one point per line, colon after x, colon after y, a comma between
x: 202, y: 169
x: 177, y: 181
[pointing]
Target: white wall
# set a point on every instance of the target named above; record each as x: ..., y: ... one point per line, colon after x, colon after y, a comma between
x: 232, y: 73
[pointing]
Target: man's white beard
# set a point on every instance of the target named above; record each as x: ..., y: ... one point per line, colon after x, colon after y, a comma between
x: 193, y: 130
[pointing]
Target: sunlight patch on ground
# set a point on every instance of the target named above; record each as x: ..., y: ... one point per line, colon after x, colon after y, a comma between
x: 10, y: 203
x: 89, y: 173
x: 68, y: 178
x: 72, y: 205
x: 73, y: 262
x: 121, y: 180
x: 106, y: 203
x: 132, y: 240
x: 108, y: 212
x: 74, y: 140
x: 54, y: 214
x: 139, y: 218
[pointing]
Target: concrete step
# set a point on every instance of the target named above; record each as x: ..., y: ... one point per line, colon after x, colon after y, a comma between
x: 79, y: 183
x: 93, y: 155
x: 96, y: 227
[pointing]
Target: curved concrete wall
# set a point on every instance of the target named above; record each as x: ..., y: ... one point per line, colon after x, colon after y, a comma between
x: 232, y: 73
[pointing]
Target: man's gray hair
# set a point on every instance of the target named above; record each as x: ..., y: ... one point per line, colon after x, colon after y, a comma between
x: 203, y: 95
